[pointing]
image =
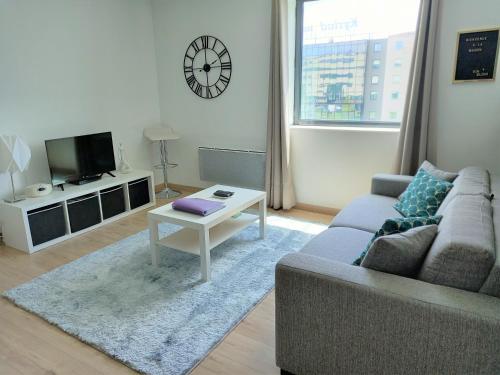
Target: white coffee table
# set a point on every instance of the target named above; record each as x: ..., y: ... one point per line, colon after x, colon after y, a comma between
x: 202, y: 233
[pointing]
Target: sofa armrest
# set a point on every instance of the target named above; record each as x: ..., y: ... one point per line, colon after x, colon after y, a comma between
x: 391, y: 185
x: 333, y: 317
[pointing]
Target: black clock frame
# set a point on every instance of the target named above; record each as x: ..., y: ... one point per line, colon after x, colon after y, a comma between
x: 191, y: 80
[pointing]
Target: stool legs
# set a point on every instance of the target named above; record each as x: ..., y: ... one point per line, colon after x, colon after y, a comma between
x: 167, y: 192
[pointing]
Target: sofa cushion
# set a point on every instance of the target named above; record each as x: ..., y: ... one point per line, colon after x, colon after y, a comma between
x: 470, y: 181
x: 400, y: 253
x: 338, y: 244
x: 438, y: 173
x: 423, y: 196
x: 366, y: 213
x: 492, y: 284
x: 397, y: 225
x: 462, y: 254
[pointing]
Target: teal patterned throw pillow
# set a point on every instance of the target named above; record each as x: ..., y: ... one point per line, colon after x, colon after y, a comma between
x: 423, y: 196
x: 398, y: 225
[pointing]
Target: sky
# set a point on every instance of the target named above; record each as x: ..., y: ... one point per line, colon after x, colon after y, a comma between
x: 341, y: 20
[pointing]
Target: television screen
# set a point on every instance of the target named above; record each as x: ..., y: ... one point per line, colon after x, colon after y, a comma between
x: 78, y: 158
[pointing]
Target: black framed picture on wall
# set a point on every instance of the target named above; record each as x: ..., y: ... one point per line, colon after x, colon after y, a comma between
x: 476, y: 55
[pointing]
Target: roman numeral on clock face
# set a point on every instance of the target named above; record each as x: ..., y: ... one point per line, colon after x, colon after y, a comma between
x: 225, y: 65
x: 222, y: 53
x: 188, y: 69
x: 195, y: 47
x: 198, y: 89
x: 208, y: 93
x: 204, y: 41
x: 191, y: 80
x: 224, y: 79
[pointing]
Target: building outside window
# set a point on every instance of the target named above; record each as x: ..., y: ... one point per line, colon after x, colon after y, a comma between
x: 377, y: 47
x: 395, y: 95
x: 339, y: 48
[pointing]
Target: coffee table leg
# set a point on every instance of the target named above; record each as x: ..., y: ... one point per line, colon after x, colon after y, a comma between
x: 204, y: 254
x: 262, y: 217
x: 153, y: 239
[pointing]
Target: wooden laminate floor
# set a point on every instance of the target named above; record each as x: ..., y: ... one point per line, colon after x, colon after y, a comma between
x: 29, y: 345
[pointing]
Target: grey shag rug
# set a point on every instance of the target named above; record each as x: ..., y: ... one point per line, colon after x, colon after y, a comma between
x: 161, y: 321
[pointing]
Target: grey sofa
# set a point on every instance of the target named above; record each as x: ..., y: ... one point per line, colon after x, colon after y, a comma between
x: 336, y: 318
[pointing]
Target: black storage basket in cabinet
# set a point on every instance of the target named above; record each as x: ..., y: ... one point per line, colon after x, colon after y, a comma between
x: 112, y: 202
x: 138, y: 192
x: 46, y: 223
x: 83, y: 212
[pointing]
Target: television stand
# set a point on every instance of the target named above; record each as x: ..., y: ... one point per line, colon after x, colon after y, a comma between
x: 85, y: 180
x: 36, y: 223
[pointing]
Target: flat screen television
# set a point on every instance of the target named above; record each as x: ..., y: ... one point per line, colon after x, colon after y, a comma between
x: 80, y: 159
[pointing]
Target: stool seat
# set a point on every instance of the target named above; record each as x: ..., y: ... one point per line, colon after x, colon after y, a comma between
x: 160, y: 133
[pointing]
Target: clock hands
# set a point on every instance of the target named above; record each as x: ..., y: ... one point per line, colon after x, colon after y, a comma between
x: 202, y: 69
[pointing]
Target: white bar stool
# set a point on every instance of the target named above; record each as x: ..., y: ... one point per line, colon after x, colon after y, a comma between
x: 162, y: 135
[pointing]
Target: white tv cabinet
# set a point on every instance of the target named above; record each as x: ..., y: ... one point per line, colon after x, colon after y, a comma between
x: 36, y: 223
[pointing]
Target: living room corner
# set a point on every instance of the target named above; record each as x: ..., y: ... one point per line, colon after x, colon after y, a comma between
x: 294, y: 187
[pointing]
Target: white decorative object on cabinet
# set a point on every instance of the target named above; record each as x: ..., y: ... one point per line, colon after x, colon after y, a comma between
x: 15, y: 156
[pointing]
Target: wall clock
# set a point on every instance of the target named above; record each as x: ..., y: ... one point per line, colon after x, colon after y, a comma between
x: 207, y: 67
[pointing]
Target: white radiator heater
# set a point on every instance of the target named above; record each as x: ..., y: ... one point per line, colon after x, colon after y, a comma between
x: 233, y: 167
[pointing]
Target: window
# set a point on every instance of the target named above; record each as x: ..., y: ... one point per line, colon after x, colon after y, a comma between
x: 396, y: 78
x: 397, y: 63
x: 393, y: 115
x: 395, y: 95
x: 399, y: 45
x: 335, y: 40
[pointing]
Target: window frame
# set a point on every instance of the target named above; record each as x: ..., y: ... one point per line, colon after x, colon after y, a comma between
x: 299, y: 26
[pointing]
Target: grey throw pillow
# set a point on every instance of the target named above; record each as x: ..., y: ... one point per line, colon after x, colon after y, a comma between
x: 438, y: 173
x: 401, y: 253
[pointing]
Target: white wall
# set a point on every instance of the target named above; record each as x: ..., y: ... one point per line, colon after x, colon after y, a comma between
x: 237, y: 118
x: 332, y: 166
x: 70, y: 67
x: 76, y: 66
x: 465, y: 117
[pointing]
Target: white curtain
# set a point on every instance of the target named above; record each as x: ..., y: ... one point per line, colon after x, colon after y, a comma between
x: 279, y: 186
x: 412, y: 146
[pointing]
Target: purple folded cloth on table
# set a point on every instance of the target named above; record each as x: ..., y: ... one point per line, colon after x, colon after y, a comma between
x: 197, y: 206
